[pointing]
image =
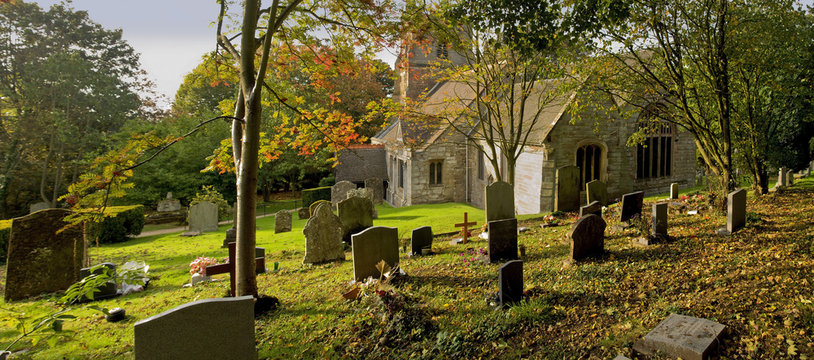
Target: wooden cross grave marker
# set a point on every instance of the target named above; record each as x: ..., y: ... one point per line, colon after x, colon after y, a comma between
x: 260, y: 264
x: 465, y: 227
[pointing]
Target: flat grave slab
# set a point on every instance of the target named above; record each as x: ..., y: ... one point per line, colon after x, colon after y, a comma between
x: 687, y: 337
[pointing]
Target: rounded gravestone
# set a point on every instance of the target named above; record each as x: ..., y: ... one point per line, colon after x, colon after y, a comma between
x: 323, y: 236
x: 356, y: 214
x: 587, y: 237
x: 282, y: 221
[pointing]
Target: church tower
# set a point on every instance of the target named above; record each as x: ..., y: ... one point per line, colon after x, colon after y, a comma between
x: 418, y: 63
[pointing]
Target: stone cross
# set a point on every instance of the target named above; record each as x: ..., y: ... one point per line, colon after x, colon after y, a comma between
x: 465, y: 227
x: 260, y: 264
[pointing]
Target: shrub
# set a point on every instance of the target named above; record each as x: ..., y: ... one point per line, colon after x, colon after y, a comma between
x: 208, y: 193
x: 5, y: 232
x: 119, y: 222
x: 310, y: 196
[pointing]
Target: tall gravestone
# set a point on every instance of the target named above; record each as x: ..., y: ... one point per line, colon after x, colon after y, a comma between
x: 356, y: 214
x: 421, y: 238
x: 372, y: 246
x: 340, y: 190
x: 169, y: 204
x: 735, y: 210
x: 566, y: 189
x: 282, y: 221
x: 673, y: 191
x: 596, y: 190
x: 221, y: 328
x: 631, y: 205
x: 587, y: 237
x: 790, y: 177
x: 781, y: 177
x: 41, y: 258
x: 323, y: 236
x: 377, y: 186
x: 510, y: 277
x: 658, y: 228
x: 499, y: 201
x: 502, y: 240
x: 203, y: 217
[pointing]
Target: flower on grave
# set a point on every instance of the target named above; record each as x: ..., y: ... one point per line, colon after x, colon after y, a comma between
x: 550, y: 219
x: 465, y: 232
x: 198, y: 265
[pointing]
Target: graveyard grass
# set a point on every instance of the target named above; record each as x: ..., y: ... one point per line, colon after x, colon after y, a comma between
x: 757, y: 282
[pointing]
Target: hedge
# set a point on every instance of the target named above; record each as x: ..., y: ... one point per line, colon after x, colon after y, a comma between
x: 309, y: 196
x: 119, y: 222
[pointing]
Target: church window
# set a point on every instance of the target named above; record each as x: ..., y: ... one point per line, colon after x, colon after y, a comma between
x: 435, y: 172
x: 401, y: 173
x: 589, y: 161
x: 654, y: 156
x: 441, y: 51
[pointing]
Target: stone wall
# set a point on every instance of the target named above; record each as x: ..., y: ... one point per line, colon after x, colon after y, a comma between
x: 452, y: 187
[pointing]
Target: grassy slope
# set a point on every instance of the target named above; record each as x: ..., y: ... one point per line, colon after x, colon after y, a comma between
x: 758, y: 282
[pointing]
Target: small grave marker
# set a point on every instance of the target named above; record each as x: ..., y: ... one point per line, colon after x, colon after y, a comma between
x: 735, y: 212
x: 659, y: 220
x: 681, y: 336
x: 465, y: 227
x: 592, y: 208
x: 587, y: 237
x: 260, y: 264
x: 673, y: 191
x: 510, y: 277
x: 282, y: 221
x: 421, y: 238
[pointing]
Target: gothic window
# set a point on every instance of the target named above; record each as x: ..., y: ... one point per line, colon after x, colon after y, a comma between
x: 589, y: 161
x: 435, y: 172
x: 401, y: 173
x: 441, y: 51
x: 654, y: 156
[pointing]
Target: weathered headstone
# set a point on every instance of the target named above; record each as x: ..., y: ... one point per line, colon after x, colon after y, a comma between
x: 371, y: 246
x: 682, y: 337
x: 499, y: 201
x: 356, y: 214
x: 42, y: 205
x: 510, y: 278
x: 231, y: 236
x: 303, y: 213
x: 323, y: 236
x: 282, y: 221
x: 781, y: 178
x: 735, y: 210
x: 673, y: 191
x: 587, y: 237
x: 366, y: 193
x: 340, y: 190
x: 420, y: 238
x: 313, y: 206
x: 203, y: 217
x: 592, y: 208
x: 566, y: 192
x: 220, y: 328
x: 631, y: 205
x: 790, y: 177
x: 169, y: 204
x: 377, y: 186
x: 596, y: 190
x: 40, y: 259
x: 658, y: 229
x: 107, y: 290
x: 502, y: 240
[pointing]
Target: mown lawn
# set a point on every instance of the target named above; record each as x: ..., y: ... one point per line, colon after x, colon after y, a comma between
x: 758, y: 282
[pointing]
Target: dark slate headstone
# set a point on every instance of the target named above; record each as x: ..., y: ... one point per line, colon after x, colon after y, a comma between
x: 377, y: 185
x: 221, y: 328
x: 659, y: 220
x: 323, y: 236
x: 303, y: 213
x: 566, y: 192
x: 592, y: 208
x: 313, y: 207
x: 596, y: 190
x: 632, y: 205
x: 109, y: 289
x: 682, y: 337
x: 510, y: 277
x: 282, y: 221
x: 673, y: 191
x: 356, y: 214
x: 421, y: 238
x: 736, y: 210
x: 502, y: 240
x: 40, y: 259
x: 371, y: 246
x: 587, y: 237
x: 499, y: 197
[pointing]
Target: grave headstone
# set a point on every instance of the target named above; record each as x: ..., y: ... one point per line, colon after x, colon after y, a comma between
x: 366, y: 193
x: 229, y: 267
x: 502, y: 240
x: 169, y: 204
x: 587, y: 237
x: 314, y: 205
x: 499, y: 201
x: 203, y: 217
x: 372, y: 246
x: 420, y: 238
x: 735, y: 211
x: 231, y: 236
x: 323, y: 236
x: 42, y: 205
x: 282, y: 221
x: 781, y: 178
x: 340, y: 190
x: 377, y: 186
x: 790, y: 177
x: 682, y: 337
x: 303, y: 213
x: 566, y: 192
x: 658, y: 226
x: 631, y: 205
x: 592, y: 208
x: 109, y: 289
x: 356, y: 214
x: 40, y: 259
x: 596, y: 190
x: 510, y: 278
x: 220, y: 328
x: 673, y: 191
